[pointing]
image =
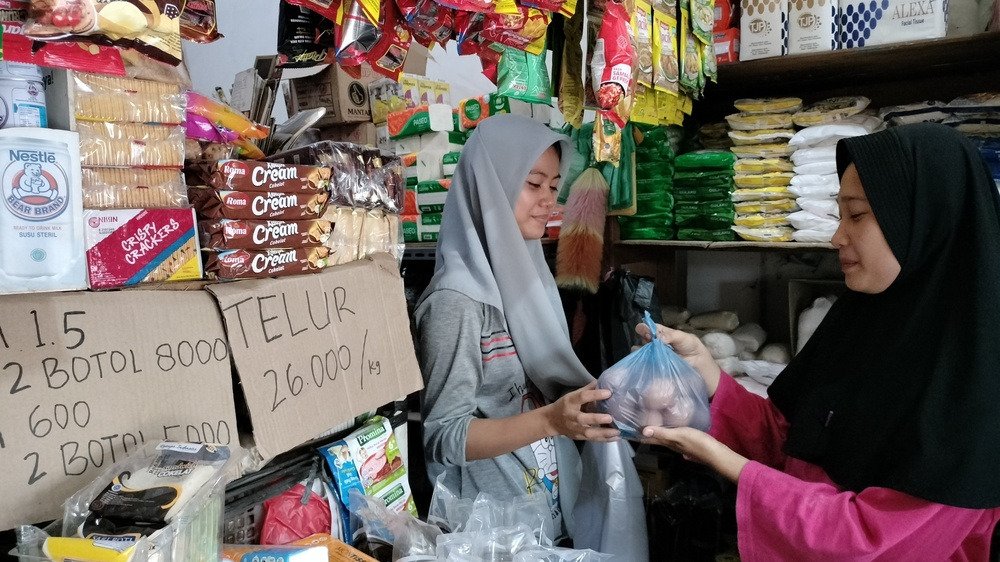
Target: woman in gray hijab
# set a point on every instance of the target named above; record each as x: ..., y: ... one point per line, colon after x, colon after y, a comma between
x: 505, y: 393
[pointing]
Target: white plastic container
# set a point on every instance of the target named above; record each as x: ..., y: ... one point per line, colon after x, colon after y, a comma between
x: 22, y: 96
x: 41, y: 213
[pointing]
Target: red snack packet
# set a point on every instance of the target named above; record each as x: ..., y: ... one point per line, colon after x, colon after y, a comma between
x: 468, y: 30
x: 389, y: 54
x: 613, y: 66
x: 356, y: 36
x: 199, y: 22
x: 432, y: 23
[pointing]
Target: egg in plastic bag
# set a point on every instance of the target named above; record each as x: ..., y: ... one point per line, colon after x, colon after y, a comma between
x: 653, y: 386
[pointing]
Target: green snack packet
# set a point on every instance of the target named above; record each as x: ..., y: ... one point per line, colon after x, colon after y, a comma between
x: 524, y: 76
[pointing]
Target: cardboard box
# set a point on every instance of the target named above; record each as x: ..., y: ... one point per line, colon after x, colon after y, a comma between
x: 344, y: 97
x: 812, y: 26
x: 763, y: 29
x: 358, y: 133
x: 89, y: 377
x: 314, y: 351
x: 126, y: 247
x: 883, y: 22
x: 801, y: 294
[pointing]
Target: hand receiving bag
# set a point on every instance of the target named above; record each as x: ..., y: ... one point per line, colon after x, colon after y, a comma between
x: 653, y: 386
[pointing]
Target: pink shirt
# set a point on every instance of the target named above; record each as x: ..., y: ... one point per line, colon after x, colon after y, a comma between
x: 788, y: 509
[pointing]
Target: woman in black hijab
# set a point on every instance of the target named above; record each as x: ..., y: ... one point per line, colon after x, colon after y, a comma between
x: 881, y: 440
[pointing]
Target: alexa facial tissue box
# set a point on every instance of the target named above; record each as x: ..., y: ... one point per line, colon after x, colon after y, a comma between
x: 864, y: 23
x: 812, y: 26
x: 763, y: 29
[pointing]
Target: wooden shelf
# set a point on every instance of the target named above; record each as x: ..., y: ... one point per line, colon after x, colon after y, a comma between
x: 937, y: 69
x: 726, y: 246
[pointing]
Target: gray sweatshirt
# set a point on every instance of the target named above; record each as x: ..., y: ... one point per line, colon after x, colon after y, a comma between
x: 471, y: 370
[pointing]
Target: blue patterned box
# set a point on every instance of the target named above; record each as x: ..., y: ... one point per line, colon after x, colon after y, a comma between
x: 763, y: 29
x: 812, y: 26
x: 880, y: 22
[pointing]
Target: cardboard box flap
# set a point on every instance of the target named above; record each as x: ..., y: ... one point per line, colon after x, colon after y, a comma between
x: 88, y: 377
x: 314, y: 351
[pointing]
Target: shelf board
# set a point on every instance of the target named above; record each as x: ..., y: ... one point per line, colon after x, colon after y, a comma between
x: 975, y: 53
x: 727, y: 246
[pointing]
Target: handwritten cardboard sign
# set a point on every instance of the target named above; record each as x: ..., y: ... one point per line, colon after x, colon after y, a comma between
x: 316, y: 350
x: 87, y: 377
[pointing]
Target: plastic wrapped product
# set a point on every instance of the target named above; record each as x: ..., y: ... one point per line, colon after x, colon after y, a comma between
x: 248, y: 175
x: 816, y: 180
x: 825, y: 207
x: 772, y: 234
x: 759, y: 121
x: 814, y: 191
x: 813, y: 236
x: 830, y: 110
x: 721, y: 320
x: 814, y: 155
x: 763, y: 136
x: 124, y: 100
x: 706, y: 234
x: 251, y: 553
x: 230, y: 234
x: 761, y: 194
x: 762, y: 165
x: 654, y: 386
x: 212, y: 204
x: 775, y: 150
x: 133, y: 188
x: 761, y: 220
x: 523, y: 76
x: 817, y: 168
x: 774, y: 179
x: 730, y: 365
x: 703, y: 160
x: 720, y: 344
x: 776, y: 206
x: 826, y: 135
x: 775, y: 353
x: 199, y: 22
x: 258, y: 264
x: 749, y: 337
x: 811, y: 318
x: 768, y: 105
x: 556, y: 554
x: 131, y: 144
x: 804, y: 220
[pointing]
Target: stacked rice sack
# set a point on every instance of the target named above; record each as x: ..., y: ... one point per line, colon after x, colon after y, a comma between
x: 760, y: 133
x: 815, y: 183
x: 654, y: 170
x: 703, y: 187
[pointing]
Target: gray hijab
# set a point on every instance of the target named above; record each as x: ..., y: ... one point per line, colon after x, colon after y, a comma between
x: 482, y: 254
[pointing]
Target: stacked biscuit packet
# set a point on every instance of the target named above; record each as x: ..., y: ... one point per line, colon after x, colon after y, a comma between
x: 763, y: 172
x: 262, y: 219
x: 138, y: 227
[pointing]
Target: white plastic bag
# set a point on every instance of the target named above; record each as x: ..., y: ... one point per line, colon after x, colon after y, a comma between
x: 826, y: 135
x: 821, y: 207
x: 609, y: 513
x: 814, y: 155
x: 813, y: 236
x: 804, y: 220
x: 811, y: 318
x: 816, y: 168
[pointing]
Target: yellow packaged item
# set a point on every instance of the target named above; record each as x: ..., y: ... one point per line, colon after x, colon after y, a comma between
x: 775, y: 234
x: 762, y: 220
x: 644, y: 108
x: 776, y: 206
x: 762, y: 165
x: 666, y: 62
x: 763, y: 136
x: 763, y: 150
x: 830, y: 110
x: 759, y: 121
x: 768, y: 105
x: 775, y: 179
x: 642, y: 31
x: 762, y: 194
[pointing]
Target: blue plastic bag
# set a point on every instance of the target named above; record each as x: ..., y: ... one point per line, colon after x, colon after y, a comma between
x: 654, y: 386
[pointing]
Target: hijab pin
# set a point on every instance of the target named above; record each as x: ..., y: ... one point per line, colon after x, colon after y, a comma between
x: 829, y: 417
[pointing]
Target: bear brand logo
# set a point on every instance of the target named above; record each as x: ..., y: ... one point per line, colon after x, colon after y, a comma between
x: 34, y: 185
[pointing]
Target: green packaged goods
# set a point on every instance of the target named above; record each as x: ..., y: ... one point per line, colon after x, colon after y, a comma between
x: 705, y: 160
x: 647, y: 203
x: 688, y: 176
x: 664, y: 233
x: 702, y: 193
x: 524, y: 76
x: 713, y: 215
x: 663, y: 185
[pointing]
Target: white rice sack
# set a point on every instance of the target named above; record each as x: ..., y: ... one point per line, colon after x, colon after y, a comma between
x: 775, y: 353
x: 816, y: 168
x: 764, y: 372
x: 719, y: 344
x: 722, y: 320
x: 674, y: 315
x: 688, y: 328
x: 825, y: 180
x: 814, y: 191
x: 804, y: 220
x: 821, y: 135
x: 747, y: 356
x: 810, y: 319
x: 821, y: 207
x: 749, y: 337
x: 730, y: 365
x: 814, y: 155
x: 813, y: 236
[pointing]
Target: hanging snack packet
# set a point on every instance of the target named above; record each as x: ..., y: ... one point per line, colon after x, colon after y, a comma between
x: 666, y: 68
x: 709, y: 64
x: 692, y: 77
x: 607, y: 139
x: 224, y: 116
x: 304, y: 37
x: 571, y: 87
x: 703, y: 20
x: 524, y: 30
x: 431, y: 22
x: 149, y: 26
x: 389, y: 54
x: 523, y: 76
x: 327, y: 8
x: 199, y: 22
x: 357, y: 35
x: 654, y: 386
x: 509, y: 7
x: 468, y: 28
x: 642, y: 28
x: 613, y: 66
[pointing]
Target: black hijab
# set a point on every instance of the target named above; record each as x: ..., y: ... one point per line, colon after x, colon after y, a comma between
x: 901, y: 389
